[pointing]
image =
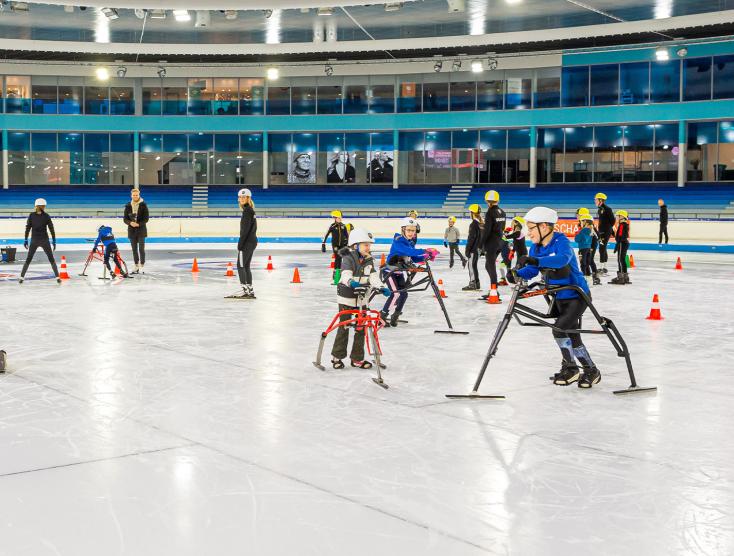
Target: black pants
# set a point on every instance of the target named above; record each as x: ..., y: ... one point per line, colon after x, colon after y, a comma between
x: 568, y: 317
x: 244, y: 259
x: 110, y: 252
x: 594, y: 245
x: 473, y: 270
x: 337, y: 256
x: 46, y: 246
x: 622, y: 256
x: 603, y: 240
x: 138, y: 245
x: 493, y: 248
x: 663, y: 232
x: 339, y: 351
x: 586, y: 260
x: 454, y: 247
x: 394, y: 281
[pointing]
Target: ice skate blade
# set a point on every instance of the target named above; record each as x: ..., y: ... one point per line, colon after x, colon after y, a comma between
x: 449, y: 332
x: 319, y: 367
x: 238, y: 297
x: 383, y: 366
x: 474, y: 397
x: 380, y: 383
x: 3, y: 361
x: 635, y: 390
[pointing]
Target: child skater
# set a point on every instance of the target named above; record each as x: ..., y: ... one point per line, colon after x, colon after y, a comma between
x: 583, y: 242
x: 472, y: 247
x: 583, y: 213
x: 107, y: 238
x: 402, y: 252
x: 339, y: 234
x: 451, y: 239
x: 622, y: 238
x: 359, y: 272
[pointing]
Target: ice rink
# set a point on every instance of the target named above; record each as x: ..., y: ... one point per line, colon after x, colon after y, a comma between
x: 154, y: 417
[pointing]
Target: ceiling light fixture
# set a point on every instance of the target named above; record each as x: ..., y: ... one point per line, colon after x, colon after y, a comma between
x: 513, y: 2
x: 161, y: 72
x: 268, y: 13
x: 140, y: 13
x: 438, y: 66
x: 69, y: 9
x: 662, y: 54
x: 325, y: 11
x: 103, y: 74
x: 492, y: 63
x: 157, y: 14
x: 230, y: 14
x: 181, y: 16
x: 456, y: 6
x: 393, y: 6
x: 477, y: 66
x: 273, y: 74
x: 682, y: 52
x: 121, y: 71
x: 329, y: 70
x: 456, y: 66
x: 110, y: 13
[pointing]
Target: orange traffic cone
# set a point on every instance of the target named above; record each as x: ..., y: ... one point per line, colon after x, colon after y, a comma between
x: 296, y: 277
x: 117, y: 271
x: 230, y: 270
x: 655, y: 311
x: 333, y: 261
x: 632, y: 261
x: 441, y: 291
x: 64, y: 274
x: 195, y: 266
x: 494, y: 298
x: 382, y: 260
x: 678, y: 264
x: 270, y: 263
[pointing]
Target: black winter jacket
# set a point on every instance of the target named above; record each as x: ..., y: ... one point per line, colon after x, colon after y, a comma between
x: 142, y: 218
x: 606, y: 220
x: 472, y: 240
x: 494, y: 225
x: 38, y: 222
x: 248, y: 228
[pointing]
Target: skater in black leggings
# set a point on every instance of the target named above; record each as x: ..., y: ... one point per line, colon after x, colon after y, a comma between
x: 605, y: 229
x: 136, y: 217
x: 247, y: 243
x: 38, y: 222
x: 494, y: 226
x: 622, y: 238
x: 472, y: 247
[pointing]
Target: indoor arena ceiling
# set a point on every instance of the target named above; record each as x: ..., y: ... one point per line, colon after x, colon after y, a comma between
x: 348, y: 31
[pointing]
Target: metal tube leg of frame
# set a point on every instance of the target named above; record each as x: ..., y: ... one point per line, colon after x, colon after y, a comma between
x: 441, y: 304
x: 378, y: 380
x: 320, y: 351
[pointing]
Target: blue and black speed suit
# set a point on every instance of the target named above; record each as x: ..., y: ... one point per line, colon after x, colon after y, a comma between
x: 557, y: 262
x: 403, y: 252
x: 107, y: 238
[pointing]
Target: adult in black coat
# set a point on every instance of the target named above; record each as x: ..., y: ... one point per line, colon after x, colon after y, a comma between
x: 247, y: 243
x: 136, y: 217
x: 663, y: 222
x: 494, y: 227
x: 605, y: 228
x: 37, y: 225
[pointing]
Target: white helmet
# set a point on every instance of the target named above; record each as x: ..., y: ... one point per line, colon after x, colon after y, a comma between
x: 40, y: 203
x: 244, y: 193
x: 538, y: 215
x: 358, y: 235
x: 408, y: 221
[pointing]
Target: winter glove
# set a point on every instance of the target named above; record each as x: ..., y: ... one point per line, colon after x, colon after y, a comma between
x: 445, y: 244
x: 354, y: 284
x: 323, y: 248
x: 431, y: 254
x: 25, y: 244
x: 526, y: 260
x: 386, y: 292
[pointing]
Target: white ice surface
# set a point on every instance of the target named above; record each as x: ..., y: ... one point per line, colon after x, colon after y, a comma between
x: 153, y: 417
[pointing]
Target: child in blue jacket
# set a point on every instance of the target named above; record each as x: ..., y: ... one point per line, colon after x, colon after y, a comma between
x: 552, y: 255
x: 107, y: 238
x: 584, y: 238
x: 402, y: 252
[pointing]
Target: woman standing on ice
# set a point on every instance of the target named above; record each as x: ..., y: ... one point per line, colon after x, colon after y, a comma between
x: 136, y: 217
x: 38, y: 222
x: 247, y: 243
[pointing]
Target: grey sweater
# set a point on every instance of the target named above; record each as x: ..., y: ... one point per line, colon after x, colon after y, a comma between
x: 452, y: 235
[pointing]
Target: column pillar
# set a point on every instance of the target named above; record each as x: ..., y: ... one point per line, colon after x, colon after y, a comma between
x: 533, y: 156
x: 5, y: 160
x: 395, y: 161
x: 682, y: 153
x: 136, y: 159
x: 266, y: 169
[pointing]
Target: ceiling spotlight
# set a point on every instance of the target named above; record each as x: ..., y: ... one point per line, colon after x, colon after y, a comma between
x: 181, y: 15
x: 437, y: 66
x: 203, y: 18
x: 103, y: 74
x: 492, y: 63
x: 268, y: 13
x: 328, y: 70
x: 273, y: 74
x: 69, y: 9
x: 140, y: 13
x: 513, y: 2
x: 110, y: 13
x: 121, y: 71
x: 476, y: 66
x: 456, y: 5
x: 157, y: 14
x: 19, y: 7
x: 325, y: 11
x: 456, y: 66
x: 682, y: 52
x: 662, y: 54
x: 230, y: 14
x: 161, y: 72
x: 393, y: 6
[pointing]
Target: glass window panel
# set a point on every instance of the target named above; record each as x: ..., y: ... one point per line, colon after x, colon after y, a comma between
x: 548, y: 88
x: 638, y: 153
x: 575, y: 86
x: 17, y: 94
x: 121, y: 158
x: 381, y: 157
x: 250, y: 171
x: 279, y: 146
x: 121, y: 142
x: 227, y: 159
x: 492, y: 156
x: 152, y: 97
x: 71, y: 93
x: 604, y: 84
x: 436, y: 93
x: 96, y: 168
x: 252, y: 97
x: 665, y: 81
x: 175, y: 97
x: 409, y: 94
x: 724, y: 76
x: 464, y: 155
x: 355, y: 95
x: 96, y: 100
x: 697, y: 79
x: 608, y: 153
x: 302, y: 166
x: 330, y: 95
x: 44, y: 92
x: 303, y: 96
x: 175, y: 142
x: 666, y: 152
x: 226, y: 97
x: 44, y: 160
x: 331, y: 152
x: 19, y: 151
x: 121, y: 101
x: 201, y: 95
x: 490, y: 94
x: 198, y: 141
x: 151, y: 142
x: 634, y: 83
x: 279, y: 99
x: 382, y: 94
x: 518, y: 156
x: 411, y: 168
x: 519, y: 89
x: 550, y: 155
x: 357, y: 146
x: 463, y: 95
x: 71, y: 158
x: 438, y: 157
x: 725, y: 167
x: 577, y: 158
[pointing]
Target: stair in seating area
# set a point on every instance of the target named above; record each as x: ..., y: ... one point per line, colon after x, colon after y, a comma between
x: 200, y: 196
x: 457, y: 196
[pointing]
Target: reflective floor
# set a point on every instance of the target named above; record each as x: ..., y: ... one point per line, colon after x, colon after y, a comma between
x: 154, y: 417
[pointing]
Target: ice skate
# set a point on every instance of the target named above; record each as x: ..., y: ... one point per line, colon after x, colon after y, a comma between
x: 3, y: 360
x: 394, y: 319
x: 595, y: 279
x: 471, y: 287
x: 384, y: 315
x: 337, y: 363
x: 590, y: 377
x: 21, y: 280
x: 137, y: 269
x: 618, y: 281
x: 361, y: 364
x: 567, y: 375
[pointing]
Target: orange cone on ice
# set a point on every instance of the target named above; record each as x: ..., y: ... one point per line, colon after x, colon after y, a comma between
x: 230, y: 270
x: 382, y: 260
x: 333, y: 261
x: 678, y: 264
x: 296, y: 277
x: 441, y: 291
x: 64, y: 273
x: 195, y: 266
x: 494, y: 298
x: 270, y: 264
x: 632, y: 261
x: 655, y: 311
